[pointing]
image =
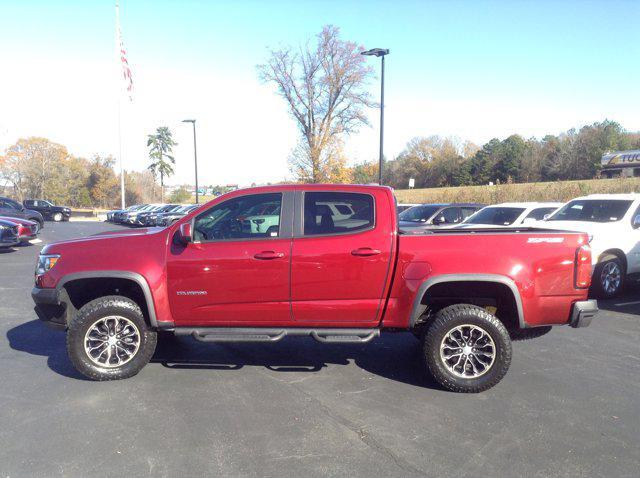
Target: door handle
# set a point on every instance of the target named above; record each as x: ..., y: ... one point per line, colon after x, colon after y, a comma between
x: 267, y: 255
x: 365, y: 252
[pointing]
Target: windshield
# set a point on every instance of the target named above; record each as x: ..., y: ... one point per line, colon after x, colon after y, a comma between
x: 496, y: 216
x: 418, y: 213
x: 592, y: 210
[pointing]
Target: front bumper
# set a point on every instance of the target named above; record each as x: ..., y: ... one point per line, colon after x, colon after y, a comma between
x: 49, y: 308
x: 583, y: 313
x: 27, y: 238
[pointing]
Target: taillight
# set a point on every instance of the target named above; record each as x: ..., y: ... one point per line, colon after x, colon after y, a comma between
x: 583, y: 267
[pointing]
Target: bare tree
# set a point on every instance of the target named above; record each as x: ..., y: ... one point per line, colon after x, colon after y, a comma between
x: 324, y: 90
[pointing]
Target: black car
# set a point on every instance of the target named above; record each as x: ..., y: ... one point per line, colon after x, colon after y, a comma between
x: 11, y: 208
x: 49, y: 211
x: 425, y: 216
x: 8, y: 234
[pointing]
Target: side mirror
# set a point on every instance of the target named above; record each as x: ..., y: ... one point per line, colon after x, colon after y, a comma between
x: 440, y: 220
x: 186, y: 235
x: 546, y: 216
x: 636, y: 222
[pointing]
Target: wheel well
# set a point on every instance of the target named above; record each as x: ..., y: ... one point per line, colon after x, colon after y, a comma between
x: 611, y: 253
x: 481, y: 293
x: 82, y: 291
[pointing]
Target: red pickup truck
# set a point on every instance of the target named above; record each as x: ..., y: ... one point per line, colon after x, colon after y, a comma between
x: 323, y: 261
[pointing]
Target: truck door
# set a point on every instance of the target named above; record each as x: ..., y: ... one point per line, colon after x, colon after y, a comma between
x: 236, y: 270
x: 340, y: 264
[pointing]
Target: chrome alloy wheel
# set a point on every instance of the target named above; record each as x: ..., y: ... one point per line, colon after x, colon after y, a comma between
x: 112, y: 341
x: 611, y: 277
x: 467, y: 351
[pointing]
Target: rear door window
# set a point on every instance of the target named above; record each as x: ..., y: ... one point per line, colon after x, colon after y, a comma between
x: 539, y: 213
x: 468, y: 211
x: 451, y: 215
x: 337, y: 213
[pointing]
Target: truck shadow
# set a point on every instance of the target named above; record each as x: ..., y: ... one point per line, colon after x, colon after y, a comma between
x: 35, y: 338
x: 392, y: 356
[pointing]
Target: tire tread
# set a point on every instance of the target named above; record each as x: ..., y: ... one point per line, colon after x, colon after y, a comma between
x: 442, y: 320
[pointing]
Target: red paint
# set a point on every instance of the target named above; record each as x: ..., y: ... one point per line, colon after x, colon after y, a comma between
x: 367, y: 278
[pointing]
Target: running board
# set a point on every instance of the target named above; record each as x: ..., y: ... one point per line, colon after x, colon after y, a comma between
x: 259, y: 334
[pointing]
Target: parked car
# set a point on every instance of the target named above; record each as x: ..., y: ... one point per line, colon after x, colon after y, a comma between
x: 27, y: 230
x: 612, y: 222
x: 119, y: 215
x: 461, y: 292
x: 11, y: 208
x: 148, y: 219
x: 403, y: 207
x: 168, y: 218
x: 131, y: 218
x: 510, y: 214
x: 9, y: 234
x: 48, y: 210
x: 433, y: 215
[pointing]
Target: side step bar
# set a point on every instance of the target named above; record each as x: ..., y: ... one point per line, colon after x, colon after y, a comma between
x: 259, y: 334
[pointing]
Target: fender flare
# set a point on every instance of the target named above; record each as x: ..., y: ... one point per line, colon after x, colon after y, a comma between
x: 133, y: 276
x: 418, y: 308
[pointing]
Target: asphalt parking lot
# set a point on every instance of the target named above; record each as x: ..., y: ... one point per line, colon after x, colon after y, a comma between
x: 569, y: 406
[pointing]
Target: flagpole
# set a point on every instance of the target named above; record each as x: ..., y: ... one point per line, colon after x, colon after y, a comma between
x: 118, y: 60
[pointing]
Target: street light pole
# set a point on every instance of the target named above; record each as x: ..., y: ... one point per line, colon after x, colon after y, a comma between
x: 381, y: 52
x: 195, y: 152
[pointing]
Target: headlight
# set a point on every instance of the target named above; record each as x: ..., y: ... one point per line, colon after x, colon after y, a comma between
x: 46, y: 262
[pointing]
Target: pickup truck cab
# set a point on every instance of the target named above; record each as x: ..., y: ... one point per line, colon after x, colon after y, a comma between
x: 48, y: 210
x: 612, y: 222
x: 462, y: 293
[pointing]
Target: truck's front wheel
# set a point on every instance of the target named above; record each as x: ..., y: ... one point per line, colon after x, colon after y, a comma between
x: 467, y: 349
x: 109, y: 339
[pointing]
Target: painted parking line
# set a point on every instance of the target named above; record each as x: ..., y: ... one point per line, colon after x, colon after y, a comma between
x: 622, y: 304
x: 35, y: 241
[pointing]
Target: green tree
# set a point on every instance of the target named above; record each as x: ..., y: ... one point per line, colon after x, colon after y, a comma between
x: 180, y: 196
x: 161, y: 145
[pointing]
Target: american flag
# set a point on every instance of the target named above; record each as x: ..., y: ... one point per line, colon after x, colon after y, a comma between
x: 126, y: 70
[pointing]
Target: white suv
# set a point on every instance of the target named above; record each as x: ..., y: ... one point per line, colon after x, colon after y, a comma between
x: 613, y: 224
x: 509, y: 214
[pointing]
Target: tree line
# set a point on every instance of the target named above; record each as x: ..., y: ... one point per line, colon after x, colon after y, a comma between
x: 39, y: 168
x: 575, y: 154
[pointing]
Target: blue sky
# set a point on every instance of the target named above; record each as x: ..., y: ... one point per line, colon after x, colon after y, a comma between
x: 475, y: 70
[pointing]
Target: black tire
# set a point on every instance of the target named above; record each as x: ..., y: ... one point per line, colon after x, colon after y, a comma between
x: 448, y: 319
x: 531, y: 333
x: 93, y: 312
x: 39, y: 225
x: 599, y: 286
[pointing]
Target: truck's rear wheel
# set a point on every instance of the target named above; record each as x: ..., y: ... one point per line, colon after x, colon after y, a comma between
x: 109, y: 339
x: 466, y: 349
